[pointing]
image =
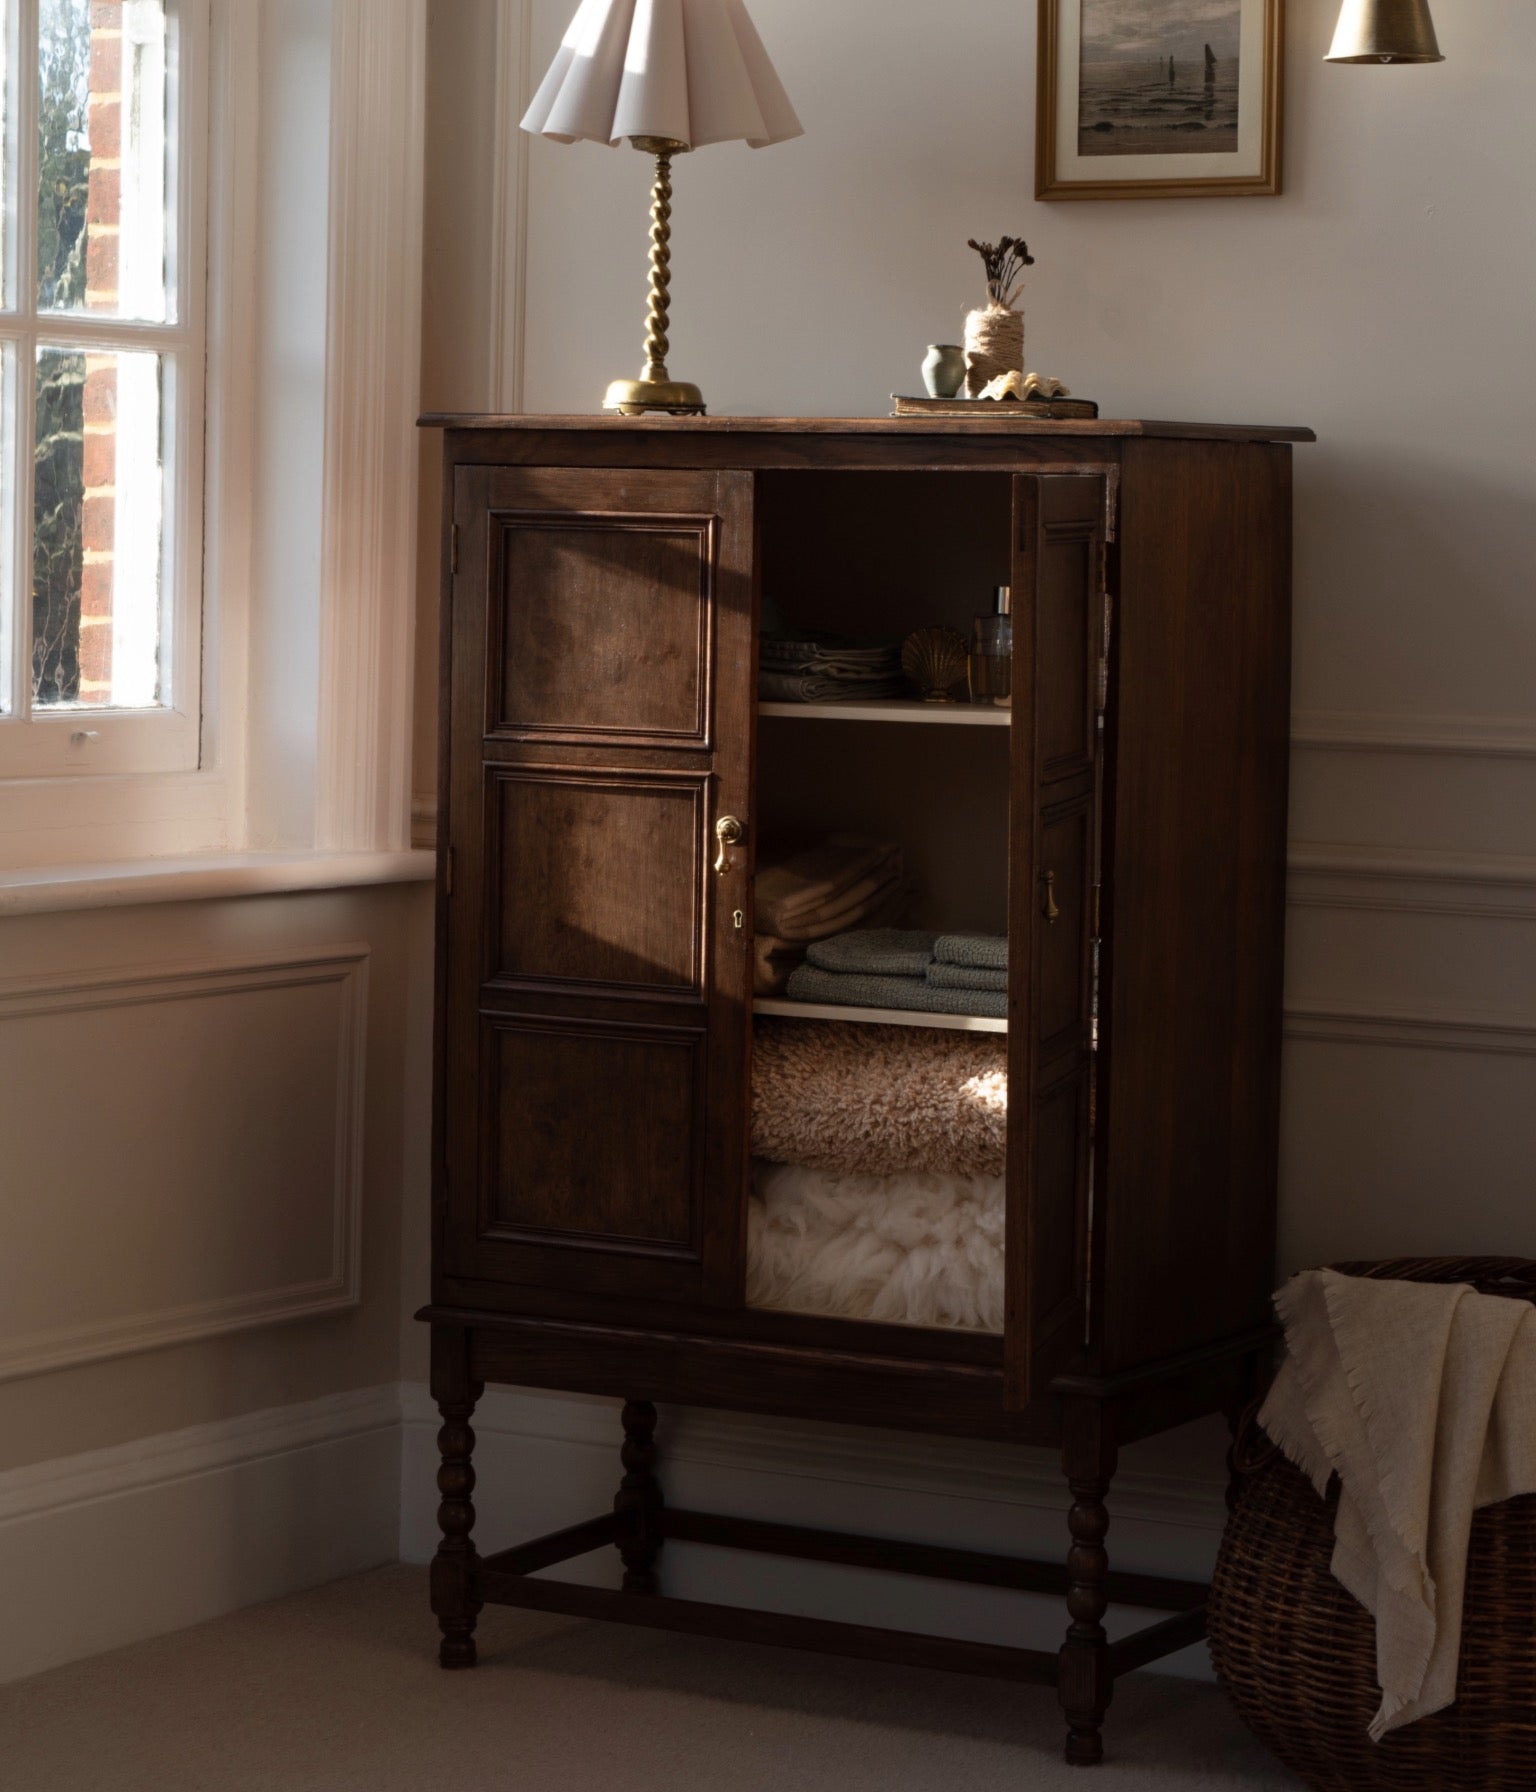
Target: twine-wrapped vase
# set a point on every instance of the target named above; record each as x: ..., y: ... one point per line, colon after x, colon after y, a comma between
x: 994, y: 344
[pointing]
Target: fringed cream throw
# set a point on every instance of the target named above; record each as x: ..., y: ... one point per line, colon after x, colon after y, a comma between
x: 1421, y: 1398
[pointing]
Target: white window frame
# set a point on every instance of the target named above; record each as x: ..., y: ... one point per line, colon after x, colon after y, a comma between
x: 90, y: 742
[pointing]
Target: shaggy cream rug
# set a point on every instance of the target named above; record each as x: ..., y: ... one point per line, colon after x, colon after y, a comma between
x: 879, y: 1101
x: 917, y: 1249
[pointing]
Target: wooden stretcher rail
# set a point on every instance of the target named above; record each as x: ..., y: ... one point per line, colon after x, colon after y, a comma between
x: 694, y: 1618
x: 893, y: 1556
x: 505, y: 1579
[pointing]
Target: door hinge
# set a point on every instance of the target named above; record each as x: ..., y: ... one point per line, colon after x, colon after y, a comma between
x: 1109, y: 565
x: 1093, y: 992
x: 448, y: 871
x: 453, y: 548
x: 1104, y: 640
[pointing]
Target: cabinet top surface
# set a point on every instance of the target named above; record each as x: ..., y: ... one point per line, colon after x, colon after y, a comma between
x: 599, y: 424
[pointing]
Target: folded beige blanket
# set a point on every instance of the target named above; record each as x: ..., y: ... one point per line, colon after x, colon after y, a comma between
x: 879, y: 1100
x: 877, y: 905
x: 809, y: 895
x: 1421, y: 1398
x: 852, y: 909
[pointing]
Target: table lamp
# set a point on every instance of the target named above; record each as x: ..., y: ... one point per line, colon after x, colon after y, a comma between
x: 670, y: 75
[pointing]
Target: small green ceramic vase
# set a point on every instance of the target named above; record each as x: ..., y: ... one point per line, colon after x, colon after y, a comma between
x: 944, y: 369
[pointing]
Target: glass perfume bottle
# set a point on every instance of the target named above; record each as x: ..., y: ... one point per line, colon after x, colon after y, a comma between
x: 991, y: 663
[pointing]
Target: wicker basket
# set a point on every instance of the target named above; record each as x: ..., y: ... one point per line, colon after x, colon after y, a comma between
x: 1297, y: 1654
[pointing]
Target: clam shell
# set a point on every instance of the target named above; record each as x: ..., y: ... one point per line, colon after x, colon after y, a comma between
x: 934, y: 659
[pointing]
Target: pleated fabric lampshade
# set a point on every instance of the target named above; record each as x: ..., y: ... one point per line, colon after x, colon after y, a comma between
x: 692, y: 71
x: 1385, y: 31
x: 670, y: 75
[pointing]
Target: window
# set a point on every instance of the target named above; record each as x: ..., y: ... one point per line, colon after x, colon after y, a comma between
x: 101, y: 366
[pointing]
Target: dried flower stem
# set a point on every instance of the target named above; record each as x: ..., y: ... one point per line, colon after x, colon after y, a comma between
x: 1005, y: 263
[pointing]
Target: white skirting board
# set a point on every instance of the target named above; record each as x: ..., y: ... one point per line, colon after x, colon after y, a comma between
x: 116, y: 1545
x: 545, y: 1461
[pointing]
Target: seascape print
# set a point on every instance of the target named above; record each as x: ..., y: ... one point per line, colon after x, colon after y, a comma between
x: 1158, y: 77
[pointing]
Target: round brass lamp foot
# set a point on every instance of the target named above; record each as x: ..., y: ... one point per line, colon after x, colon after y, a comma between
x: 632, y: 398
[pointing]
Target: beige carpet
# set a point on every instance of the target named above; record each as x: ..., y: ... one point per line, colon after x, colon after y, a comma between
x: 338, y: 1690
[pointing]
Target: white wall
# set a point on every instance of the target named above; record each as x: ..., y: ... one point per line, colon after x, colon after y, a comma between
x: 1384, y: 299
x: 213, y: 1119
x: 214, y: 1108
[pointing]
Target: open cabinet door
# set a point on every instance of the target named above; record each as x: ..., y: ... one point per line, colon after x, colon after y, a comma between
x: 1059, y: 640
x: 597, y: 980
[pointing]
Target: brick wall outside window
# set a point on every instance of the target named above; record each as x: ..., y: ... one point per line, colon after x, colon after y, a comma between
x: 103, y: 217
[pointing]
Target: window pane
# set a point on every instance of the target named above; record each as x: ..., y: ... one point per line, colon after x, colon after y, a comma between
x: 101, y: 208
x: 97, y: 507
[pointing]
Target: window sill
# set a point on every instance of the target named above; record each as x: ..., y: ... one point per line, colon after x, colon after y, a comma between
x: 206, y: 878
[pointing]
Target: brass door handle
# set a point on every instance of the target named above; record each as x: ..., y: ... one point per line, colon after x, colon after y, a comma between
x: 1049, y: 908
x: 728, y: 833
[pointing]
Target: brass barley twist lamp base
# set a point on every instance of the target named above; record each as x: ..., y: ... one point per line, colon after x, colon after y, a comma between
x: 656, y: 390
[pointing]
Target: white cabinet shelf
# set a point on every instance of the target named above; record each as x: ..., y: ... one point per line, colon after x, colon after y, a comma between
x: 883, y: 1017
x: 894, y: 709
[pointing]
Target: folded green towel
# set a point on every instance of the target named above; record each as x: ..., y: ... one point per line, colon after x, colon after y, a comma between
x: 874, y: 952
x: 965, y: 976
x: 981, y: 951
x: 811, y: 984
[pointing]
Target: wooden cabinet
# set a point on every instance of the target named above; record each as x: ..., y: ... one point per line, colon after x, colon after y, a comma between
x: 606, y: 777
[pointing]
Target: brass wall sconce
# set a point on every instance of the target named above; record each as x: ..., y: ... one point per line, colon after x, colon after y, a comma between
x: 1385, y: 31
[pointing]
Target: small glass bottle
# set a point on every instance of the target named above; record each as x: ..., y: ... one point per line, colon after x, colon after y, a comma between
x: 991, y: 663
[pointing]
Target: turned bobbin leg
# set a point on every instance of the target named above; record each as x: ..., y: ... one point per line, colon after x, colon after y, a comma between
x: 1084, y: 1683
x: 637, y: 1504
x: 453, y: 1567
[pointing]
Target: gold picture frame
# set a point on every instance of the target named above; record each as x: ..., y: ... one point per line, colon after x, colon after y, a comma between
x: 1106, y: 127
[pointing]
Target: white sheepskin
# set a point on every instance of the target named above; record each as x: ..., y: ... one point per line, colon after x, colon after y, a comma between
x: 921, y: 1248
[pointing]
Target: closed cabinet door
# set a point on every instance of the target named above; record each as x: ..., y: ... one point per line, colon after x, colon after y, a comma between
x: 1060, y: 646
x: 596, y: 976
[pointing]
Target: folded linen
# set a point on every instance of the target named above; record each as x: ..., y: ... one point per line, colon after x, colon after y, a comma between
x: 812, y: 886
x: 923, y: 1248
x: 879, y: 1100
x: 982, y: 951
x: 820, y: 687
x: 814, y: 652
x: 848, y: 910
x: 965, y: 976
x: 809, y: 984
x: 777, y: 957
x: 772, y: 961
x: 875, y: 952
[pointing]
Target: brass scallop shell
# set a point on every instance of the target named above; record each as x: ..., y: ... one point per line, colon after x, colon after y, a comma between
x: 934, y: 659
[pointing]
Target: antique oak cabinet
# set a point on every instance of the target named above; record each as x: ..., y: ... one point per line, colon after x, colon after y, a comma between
x: 606, y: 774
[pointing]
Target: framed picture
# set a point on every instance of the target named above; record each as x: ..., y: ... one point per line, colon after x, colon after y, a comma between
x: 1158, y: 99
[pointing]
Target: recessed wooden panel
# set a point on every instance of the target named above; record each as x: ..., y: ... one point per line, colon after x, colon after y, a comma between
x: 601, y: 627
x: 596, y: 879
x: 1068, y: 663
x: 593, y: 1134
x: 1066, y: 856
x: 1059, y: 522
